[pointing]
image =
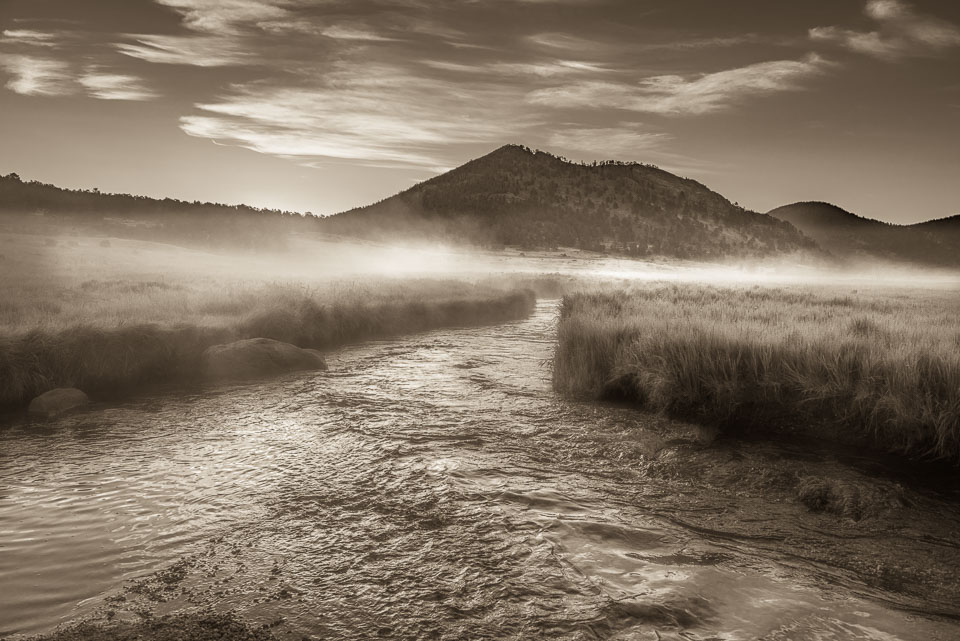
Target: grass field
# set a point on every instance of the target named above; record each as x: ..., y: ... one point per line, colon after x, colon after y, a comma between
x: 109, y: 317
x: 873, y: 367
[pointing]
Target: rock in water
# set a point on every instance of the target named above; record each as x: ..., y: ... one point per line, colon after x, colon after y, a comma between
x: 57, y: 401
x: 256, y: 357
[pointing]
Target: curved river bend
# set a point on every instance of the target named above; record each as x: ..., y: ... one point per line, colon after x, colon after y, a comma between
x: 433, y: 487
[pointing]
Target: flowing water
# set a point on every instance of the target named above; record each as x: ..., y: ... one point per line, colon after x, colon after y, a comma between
x: 433, y: 486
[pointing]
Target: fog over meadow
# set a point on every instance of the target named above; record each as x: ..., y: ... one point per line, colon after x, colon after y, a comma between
x: 491, y: 320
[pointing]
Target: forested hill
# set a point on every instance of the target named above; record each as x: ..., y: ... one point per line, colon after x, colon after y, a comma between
x: 532, y: 199
x: 846, y: 235
x: 47, y: 207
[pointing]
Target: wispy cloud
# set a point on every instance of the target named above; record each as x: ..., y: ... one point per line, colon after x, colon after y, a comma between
x: 220, y: 32
x: 574, y: 45
x: 571, y: 44
x: 627, y: 141
x: 901, y: 32
x: 346, y: 32
x: 678, y: 95
x: 536, y: 68
x: 225, y: 17
x: 33, y: 76
x: 370, y: 114
x: 199, y: 51
x: 114, y: 86
x: 374, y: 100
x: 28, y: 37
x: 410, y: 82
x: 622, y: 141
x: 715, y: 42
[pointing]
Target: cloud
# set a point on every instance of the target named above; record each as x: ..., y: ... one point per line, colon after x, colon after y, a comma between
x: 33, y: 76
x: 223, y: 17
x: 221, y: 32
x: 28, y: 37
x: 886, y: 10
x: 572, y: 45
x: 199, y: 51
x: 871, y: 43
x: 374, y: 114
x: 114, y: 86
x: 343, y: 32
x: 677, y: 95
x: 902, y: 32
x: 626, y: 141
x: 623, y: 141
x: 411, y: 83
x: 542, y: 69
x: 546, y: 69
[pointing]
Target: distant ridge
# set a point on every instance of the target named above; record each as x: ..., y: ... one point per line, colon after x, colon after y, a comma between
x: 847, y: 235
x: 532, y: 199
x: 820, y: 214
x: 948, y: 222
x: 45, y: 208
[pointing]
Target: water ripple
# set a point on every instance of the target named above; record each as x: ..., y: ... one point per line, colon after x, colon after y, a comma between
x: 434, y: 487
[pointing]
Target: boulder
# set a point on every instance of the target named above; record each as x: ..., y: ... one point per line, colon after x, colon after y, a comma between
x: 256, y: 357
x: 57, y: 401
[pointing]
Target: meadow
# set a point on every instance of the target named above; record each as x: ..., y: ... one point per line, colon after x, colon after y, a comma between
x: 110, y: 315
x: 870, y: 367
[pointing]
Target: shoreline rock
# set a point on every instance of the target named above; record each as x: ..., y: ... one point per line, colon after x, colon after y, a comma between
x: 257, y: 357
x: 57, y: 401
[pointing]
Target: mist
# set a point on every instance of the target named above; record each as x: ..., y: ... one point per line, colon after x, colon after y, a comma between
x: 543, y: 369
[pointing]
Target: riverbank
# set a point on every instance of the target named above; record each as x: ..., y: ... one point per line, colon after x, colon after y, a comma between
x: 875, y: 368
x: 111, y: 316
x: 111, y: 361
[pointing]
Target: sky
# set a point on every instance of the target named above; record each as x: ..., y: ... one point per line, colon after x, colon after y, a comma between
x: 325, y: 105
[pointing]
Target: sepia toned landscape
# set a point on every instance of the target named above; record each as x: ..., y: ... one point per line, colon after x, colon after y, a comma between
x: 421, y: 320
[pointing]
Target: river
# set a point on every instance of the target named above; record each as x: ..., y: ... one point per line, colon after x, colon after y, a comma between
x: 433, y: 486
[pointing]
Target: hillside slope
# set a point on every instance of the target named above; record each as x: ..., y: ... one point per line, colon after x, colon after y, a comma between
x: 515, y: 196
x: 846, y: 235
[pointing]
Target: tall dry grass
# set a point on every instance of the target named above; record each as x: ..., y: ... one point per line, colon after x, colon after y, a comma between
x: 879, y: 368
x: 112, y: 319
x: 110, y: 360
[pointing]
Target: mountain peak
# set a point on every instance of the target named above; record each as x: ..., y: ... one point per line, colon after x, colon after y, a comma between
x: 533, y: 199
x: 518, y: 153
x: 512, y: 148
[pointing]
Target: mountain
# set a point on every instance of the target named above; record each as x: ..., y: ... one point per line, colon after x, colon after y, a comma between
x: 950, y: 224
x: 532, y: 199
x: 846, y: 235
x: 42, y: 208
x: 816, y: 215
